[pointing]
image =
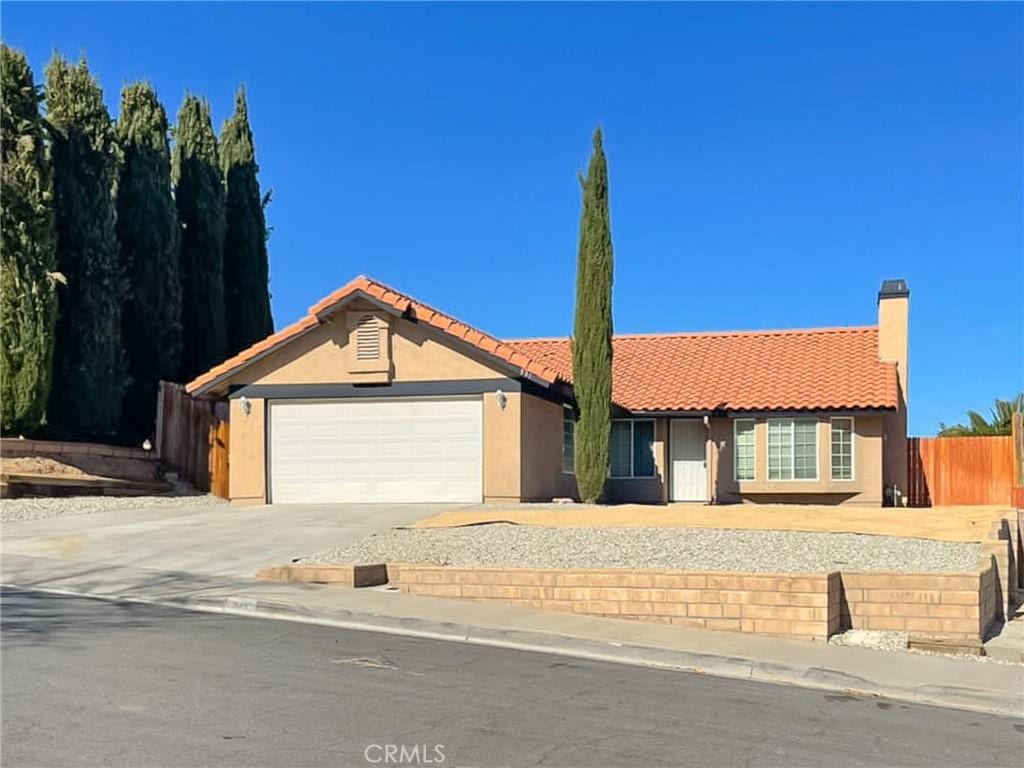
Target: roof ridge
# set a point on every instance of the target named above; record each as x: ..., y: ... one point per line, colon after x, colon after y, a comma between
x: 688, y: 334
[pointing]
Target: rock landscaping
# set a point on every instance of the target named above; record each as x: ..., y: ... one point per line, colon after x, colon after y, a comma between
x: 22, y: 510
x: 692, y: 549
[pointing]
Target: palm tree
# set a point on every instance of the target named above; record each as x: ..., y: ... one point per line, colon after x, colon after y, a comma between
x: 1001, y: 422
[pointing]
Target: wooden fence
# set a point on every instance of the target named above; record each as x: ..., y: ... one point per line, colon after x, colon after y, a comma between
x: 192, y: 438
x: 959, y: 470
x: 1017, y: 499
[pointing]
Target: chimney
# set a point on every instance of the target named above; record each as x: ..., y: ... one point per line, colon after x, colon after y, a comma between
x: 893, y: 319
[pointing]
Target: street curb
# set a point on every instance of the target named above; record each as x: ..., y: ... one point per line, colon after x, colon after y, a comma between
x: 733, y: 667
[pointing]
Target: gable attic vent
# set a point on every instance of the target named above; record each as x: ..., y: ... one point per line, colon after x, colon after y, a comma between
x: 367, y: 338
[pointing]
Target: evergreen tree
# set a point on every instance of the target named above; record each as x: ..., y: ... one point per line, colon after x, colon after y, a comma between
x: 199, y: 194
x: 89, y: 366
x: 592, y: 342
x: 147, y: 227
x: 28, y: 302
x: 246, y: 270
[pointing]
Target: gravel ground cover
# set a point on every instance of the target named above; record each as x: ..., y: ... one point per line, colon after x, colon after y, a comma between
x: 695, y: 549
x: 22, y: 510
x: 886, y: 640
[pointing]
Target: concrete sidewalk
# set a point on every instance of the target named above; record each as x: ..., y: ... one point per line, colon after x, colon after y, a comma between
x: 960, y: 683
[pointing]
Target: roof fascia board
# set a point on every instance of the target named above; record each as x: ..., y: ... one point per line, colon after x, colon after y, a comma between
x: 214, y: 383
x: 475, y: 353
x: 398, y: 389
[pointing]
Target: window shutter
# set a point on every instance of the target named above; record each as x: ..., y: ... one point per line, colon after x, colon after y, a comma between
x: 367, y: 338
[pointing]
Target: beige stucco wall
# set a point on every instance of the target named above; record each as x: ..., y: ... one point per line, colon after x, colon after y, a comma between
x: 246, y: 474
x: 864, y: 488
x: 324, y: 356
x: 541, y: 459
x: 894, y: 346
x: 502, y: 454
x: 542, y: 475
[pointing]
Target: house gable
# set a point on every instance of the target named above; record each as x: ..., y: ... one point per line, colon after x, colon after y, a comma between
x: 328, y: 355
x: 366, y: 295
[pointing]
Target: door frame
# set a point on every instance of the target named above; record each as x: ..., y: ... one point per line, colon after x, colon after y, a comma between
x: 702, y: 421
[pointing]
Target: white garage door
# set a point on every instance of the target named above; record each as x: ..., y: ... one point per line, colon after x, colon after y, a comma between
x: 376, y: 451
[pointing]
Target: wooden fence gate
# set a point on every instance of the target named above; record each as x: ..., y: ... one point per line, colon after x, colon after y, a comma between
x: 193, y: 437
x: 959, y: 470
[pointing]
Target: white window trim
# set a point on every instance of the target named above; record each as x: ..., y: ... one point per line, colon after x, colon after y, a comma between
x: 568, y: 411
x: 632, y: 456
x: 792, y: 452
x: 736, y: 448
x: 853, y: 449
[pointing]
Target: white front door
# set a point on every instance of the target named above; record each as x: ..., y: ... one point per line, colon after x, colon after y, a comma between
x: 689, y: 465
x: 423, y: 450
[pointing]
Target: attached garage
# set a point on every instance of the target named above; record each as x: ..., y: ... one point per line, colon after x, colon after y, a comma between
x: 372, y: 451
x: 373, y: 397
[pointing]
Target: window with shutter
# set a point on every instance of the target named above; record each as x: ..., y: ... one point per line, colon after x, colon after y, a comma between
x: 367, y: 338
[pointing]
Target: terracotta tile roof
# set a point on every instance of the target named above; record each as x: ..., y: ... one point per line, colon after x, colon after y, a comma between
x: 831, y: 368
x: 400, y: 302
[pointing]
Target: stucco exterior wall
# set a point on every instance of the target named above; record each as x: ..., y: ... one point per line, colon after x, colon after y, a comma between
x: 864, y: 488
x: 246, y: 466
x: 502, y: 450
x: 893, y: 346
x: 542, y: 475
x: 324, y: 356
x: 894, y: 466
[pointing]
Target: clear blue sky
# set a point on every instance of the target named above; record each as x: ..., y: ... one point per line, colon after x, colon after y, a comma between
x: 770, y: 164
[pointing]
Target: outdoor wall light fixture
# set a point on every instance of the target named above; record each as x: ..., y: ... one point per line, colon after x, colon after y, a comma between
x: 502, y: 399
x: 246, y: 405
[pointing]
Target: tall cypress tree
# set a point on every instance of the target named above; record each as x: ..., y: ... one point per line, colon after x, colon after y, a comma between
x: 89, y: 366
x: 147, y: 227
x: 592, y: 342
x: 199, y: 194
x: 246, y: 269
x: 28, y: 262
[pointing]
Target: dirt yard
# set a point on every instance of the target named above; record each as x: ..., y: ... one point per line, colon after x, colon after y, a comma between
x: 968, y: 523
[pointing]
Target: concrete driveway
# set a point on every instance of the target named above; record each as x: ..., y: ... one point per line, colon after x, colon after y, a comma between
x: 214, y: 540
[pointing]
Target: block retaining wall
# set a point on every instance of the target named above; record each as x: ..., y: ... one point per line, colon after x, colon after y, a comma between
x: 953, y: 605
x: 801, y: 605
x: 15, y: 447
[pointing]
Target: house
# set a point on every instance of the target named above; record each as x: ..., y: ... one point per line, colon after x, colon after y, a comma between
x: 374, y: 396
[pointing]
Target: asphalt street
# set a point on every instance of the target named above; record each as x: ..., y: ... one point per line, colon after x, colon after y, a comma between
x: 89, y: 682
